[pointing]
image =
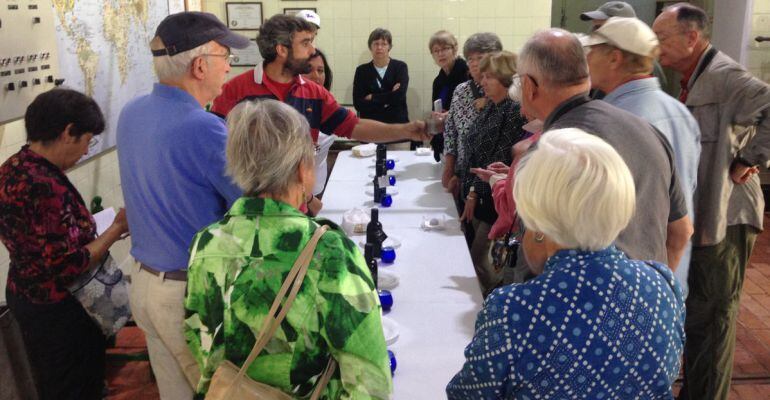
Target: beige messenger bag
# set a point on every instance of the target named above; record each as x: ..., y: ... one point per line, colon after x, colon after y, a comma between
x: 231, y: 382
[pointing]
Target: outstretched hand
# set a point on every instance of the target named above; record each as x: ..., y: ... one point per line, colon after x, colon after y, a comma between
x: 417, y: 131
x: 483, y: 174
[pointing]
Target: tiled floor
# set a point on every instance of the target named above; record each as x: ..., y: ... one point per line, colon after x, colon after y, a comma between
x: 751, y: 375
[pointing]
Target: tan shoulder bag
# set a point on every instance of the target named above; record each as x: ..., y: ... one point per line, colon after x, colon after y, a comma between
x: 231, y: 382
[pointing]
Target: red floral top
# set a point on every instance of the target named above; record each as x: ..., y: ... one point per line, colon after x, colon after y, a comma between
x: 45, y: 225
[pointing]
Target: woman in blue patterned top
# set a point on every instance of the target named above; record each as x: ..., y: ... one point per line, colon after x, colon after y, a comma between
x: 594, y: 324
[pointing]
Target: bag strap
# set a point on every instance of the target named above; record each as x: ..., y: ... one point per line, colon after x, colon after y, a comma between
x: 272, y: 322
x: 475, y: 90
x: 95, y: 272
x: 324, y: 379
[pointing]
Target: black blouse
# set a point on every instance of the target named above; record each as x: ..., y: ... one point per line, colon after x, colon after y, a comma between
x: 386, y: 105
x: 444, y: 85
x: 498, y: 127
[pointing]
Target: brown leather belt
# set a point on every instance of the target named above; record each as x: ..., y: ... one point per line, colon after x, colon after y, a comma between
x: 178, y: 275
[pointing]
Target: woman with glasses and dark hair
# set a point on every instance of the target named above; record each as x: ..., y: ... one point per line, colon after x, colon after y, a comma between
x: 51, y: 239
x: 454, y: 71
x: 379, y: 86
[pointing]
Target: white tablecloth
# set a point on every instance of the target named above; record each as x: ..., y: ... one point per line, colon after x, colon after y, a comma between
x: 438, y: 297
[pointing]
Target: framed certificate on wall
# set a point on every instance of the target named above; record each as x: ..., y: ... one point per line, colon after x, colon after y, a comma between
x: 193, y: 5
x: 248, y: 57
x: 244, y: 16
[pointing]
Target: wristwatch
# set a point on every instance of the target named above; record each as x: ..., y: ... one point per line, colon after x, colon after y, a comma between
x: 471, y: 194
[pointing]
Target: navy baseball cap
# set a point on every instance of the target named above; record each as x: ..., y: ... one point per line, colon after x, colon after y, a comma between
x: 187, y: 30
x: 610, y: 9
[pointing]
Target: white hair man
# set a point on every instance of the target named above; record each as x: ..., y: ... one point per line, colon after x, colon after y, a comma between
x: 172, y: 169
x: 574, y: 194
x: 553, y: 85
x: 620, y: 61
x: 731, y: 108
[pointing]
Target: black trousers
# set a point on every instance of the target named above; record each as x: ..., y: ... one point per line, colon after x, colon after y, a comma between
x: 65, y: 348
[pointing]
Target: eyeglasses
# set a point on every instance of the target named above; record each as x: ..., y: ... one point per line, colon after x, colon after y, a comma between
x: 516, y: 80
x: 476, y: 59
x: 380, y: 44
x: 227, y: 56
x: 671, y: 33
x: 446, y: 49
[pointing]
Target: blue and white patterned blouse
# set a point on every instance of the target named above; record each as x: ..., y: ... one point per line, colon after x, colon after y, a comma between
x: 594, y: 325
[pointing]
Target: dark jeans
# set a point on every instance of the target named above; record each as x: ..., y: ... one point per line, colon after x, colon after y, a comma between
x: 715, y: 280
x: 65, y: 348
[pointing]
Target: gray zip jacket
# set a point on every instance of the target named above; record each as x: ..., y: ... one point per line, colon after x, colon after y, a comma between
x: 733, y: 111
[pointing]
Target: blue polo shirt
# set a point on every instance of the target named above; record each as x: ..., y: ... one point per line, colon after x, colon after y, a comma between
x: 645, y: 99
x: 172, y: 170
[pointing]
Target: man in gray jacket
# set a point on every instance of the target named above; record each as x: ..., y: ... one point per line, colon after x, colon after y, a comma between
x: 733, y: 111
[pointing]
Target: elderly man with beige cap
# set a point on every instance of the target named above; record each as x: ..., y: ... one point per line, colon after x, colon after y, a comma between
x: 620, y: 61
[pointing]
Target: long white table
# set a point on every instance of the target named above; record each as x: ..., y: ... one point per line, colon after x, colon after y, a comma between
x: 438, y: 296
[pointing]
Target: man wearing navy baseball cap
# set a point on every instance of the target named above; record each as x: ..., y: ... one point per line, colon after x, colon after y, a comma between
x: 172, y: 162
x: 609, y: 9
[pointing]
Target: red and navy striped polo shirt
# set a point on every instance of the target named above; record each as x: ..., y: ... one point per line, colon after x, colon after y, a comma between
x: 312, y: 100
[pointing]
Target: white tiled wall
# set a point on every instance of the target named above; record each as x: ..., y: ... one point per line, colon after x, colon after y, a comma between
x: 759, y: 53
x: 346, y: 25
x: 98, y: 176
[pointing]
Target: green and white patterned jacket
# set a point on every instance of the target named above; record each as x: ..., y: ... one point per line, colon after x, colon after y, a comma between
x: 237, y: 266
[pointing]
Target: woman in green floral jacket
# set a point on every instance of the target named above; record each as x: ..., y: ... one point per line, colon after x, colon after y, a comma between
x: 238, y: 264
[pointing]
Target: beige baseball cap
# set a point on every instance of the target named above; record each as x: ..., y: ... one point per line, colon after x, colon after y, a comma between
x: 629, y: 34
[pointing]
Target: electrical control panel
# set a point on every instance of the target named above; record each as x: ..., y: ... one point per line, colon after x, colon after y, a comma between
x: 29, y: 63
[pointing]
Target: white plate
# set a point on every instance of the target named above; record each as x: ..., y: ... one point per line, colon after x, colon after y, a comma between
x: 386, y: 280
x: 433, y: 223
x: 389, y: 242
x: 423, y: 151
x: 391, y: 190
x: 438, y: 223
x: 390, y: 330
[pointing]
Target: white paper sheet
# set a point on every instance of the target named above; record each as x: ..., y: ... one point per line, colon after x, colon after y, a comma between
x: 104, y: 219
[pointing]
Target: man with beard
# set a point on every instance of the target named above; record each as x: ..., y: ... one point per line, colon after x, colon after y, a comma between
x: 286, y: 44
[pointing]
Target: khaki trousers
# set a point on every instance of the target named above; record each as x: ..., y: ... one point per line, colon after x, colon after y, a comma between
x: 157, y: 305
x: 716, y: 279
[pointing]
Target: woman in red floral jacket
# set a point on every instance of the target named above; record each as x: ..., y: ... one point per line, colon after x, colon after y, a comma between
x: 51, y: 238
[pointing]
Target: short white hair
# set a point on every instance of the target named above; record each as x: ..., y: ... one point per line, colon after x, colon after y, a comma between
x: 574, y: 188
x: 173, y: 68
x: 267, y: 141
